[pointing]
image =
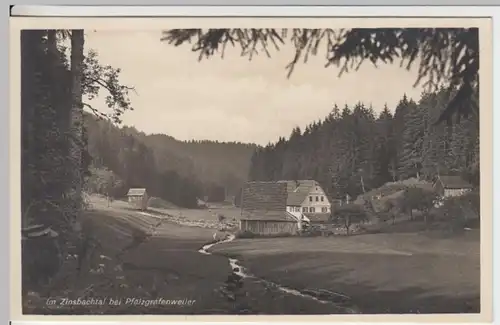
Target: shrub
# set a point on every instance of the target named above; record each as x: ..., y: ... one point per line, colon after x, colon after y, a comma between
x: 311, y: 232
x: 349, y: 215
x: 416, y: 198
x: 462, y: 209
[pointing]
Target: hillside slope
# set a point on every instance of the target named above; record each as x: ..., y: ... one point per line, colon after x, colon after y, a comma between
x: 160, y: 162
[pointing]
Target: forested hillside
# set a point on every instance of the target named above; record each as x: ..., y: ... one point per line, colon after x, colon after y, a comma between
x: 353, y: 149
x: 174, y: 170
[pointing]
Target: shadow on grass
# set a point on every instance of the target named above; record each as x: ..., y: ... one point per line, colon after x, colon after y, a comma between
x: 435, y: 229
x: 338, y: 272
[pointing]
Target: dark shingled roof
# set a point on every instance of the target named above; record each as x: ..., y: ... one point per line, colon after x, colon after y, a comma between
x: 290, y: 185
x: 298, y: 190
x: 268, y: 216
x: 454, y: 182
x: 319, y: 217
x: 296, y: 198
x: 265, y: 201
x: 269, y: 196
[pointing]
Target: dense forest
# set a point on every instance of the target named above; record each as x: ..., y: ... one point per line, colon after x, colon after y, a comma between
x: 174, y: 170
x: 354, y: 149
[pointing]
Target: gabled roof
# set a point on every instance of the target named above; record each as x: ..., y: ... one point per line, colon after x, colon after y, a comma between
x: 267, y: 196
x: 320, y: 217
x: 268, y: 215
x: 136, y: 192
x: 265, y: 201
x: 294, y: 185
x: 454, y: 182
x: 296, y: 198
x: 290, y: 185
x: 298, y: 190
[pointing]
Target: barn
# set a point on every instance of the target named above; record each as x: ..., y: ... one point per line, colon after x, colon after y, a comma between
x: 138, y: 197
x: 449, y: 186
x: 263, y: 209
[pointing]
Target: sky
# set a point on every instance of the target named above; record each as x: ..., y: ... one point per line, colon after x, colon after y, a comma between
x: 234, y: 99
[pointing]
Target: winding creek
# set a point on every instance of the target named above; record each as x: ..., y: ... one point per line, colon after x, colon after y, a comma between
x: 313, y: 295
x: 322, y: 296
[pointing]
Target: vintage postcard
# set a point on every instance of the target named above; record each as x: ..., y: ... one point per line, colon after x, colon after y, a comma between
x: 204, y: 168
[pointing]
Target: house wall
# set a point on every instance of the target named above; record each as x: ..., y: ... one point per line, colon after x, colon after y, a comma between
x: 295, y: 211
x: 145, y: 201
x: 454, y: 192
x: 318, y: 200
x: 140, y: 202
x: 267, y: 227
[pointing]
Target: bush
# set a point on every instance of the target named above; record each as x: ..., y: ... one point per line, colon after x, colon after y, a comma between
x: 416, y: 198
x: 463, y: 209
x: 311, y: 232
x: 349, y: 215
x: 221, y: 218
x: 158, y: 203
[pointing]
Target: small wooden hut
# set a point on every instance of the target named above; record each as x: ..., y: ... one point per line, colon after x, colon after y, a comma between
x: 138, y: 197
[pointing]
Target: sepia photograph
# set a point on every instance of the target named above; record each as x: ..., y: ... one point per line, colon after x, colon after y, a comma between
x: 252, y: 171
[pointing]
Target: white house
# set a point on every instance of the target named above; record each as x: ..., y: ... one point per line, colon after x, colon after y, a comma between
x: 307, y: 201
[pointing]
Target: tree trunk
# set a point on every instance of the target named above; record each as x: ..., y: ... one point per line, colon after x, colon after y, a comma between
x: 31, y: 41
x: 55, y: 75
x: 363, y: 185
x: 76, y: 116
x: 52, y: 42
x: 31, y: 51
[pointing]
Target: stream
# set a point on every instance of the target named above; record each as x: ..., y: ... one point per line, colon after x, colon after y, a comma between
x: 339, y: 298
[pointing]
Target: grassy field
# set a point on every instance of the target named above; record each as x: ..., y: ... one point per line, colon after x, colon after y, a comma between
x: 382, y: 273
x: 228, y: 212
x: 166, y: 264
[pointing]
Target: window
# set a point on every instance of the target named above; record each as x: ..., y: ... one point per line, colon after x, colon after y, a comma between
x: 304, y: 209
x: 317, y: 199
x: 324, y: 209
x: 311, y: 209
x: 322, y: 199
x: 310, y: 199
x: 297, y: 209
